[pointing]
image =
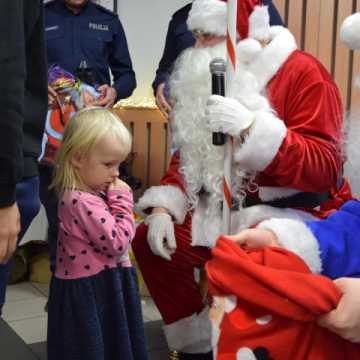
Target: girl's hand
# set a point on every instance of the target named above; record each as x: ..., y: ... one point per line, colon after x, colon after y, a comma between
x: 255, y: 238
x: 118, y: 184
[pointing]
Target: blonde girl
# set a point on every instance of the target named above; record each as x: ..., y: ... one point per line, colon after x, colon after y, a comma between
x: 94, y: 306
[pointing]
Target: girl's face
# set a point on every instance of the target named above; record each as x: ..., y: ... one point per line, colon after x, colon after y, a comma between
x: 101, y: 167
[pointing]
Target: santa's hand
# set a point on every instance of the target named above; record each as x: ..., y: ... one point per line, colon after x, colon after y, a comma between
x: 160, y: 236
x: 228, y: 116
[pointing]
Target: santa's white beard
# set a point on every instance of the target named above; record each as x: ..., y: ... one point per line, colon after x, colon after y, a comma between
x: 201, y: 163
x: 190, y: 87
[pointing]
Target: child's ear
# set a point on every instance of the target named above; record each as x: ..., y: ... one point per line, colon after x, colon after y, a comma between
x: 77, y: 161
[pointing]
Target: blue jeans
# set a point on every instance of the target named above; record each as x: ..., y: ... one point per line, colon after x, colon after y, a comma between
x: 27, y: 198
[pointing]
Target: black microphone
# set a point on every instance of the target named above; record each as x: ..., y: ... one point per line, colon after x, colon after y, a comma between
x: 217, y: 70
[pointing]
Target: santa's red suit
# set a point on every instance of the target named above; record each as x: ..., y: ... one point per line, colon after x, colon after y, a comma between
x: 290, y: 157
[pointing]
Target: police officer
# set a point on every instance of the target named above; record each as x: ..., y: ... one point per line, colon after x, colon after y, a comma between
x: 179, y: 38
x: 78, y: 31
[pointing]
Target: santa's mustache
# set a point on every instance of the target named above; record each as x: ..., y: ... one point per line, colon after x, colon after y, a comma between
x: 192, y: 69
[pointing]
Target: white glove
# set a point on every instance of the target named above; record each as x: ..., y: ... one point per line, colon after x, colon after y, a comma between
x: 160, y: 236
x: 227, y: 115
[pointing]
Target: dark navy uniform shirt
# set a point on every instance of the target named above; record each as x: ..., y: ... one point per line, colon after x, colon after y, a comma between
x: 95, y: 35
x: 179, y: 38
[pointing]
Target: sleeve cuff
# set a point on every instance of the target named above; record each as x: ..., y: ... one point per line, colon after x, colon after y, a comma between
x: 160, y: 78
x: 263, y: 142
x: 166, y: 196
x: 295, y: 236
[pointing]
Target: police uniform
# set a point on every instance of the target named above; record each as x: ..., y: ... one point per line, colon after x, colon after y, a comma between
x: 95, y: 35
x: 178, y: 38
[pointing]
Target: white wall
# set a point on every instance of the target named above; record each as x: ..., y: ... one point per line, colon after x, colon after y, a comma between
x: 38, y: 228
x: 145, y: 23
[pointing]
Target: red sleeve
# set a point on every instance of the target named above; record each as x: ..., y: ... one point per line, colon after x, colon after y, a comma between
x: 310, y: 157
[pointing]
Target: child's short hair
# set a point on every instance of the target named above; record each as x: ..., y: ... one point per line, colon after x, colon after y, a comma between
x: 81, y: 134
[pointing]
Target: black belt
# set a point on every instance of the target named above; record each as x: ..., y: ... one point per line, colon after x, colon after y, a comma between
x: 299, y: 200
x: 308, y: 200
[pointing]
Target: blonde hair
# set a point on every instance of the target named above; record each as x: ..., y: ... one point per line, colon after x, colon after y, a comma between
x: 81, y: 135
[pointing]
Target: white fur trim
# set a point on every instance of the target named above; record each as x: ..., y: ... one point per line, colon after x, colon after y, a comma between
x: 206, y: 226
x: 273, y: 55
x: 248, y: 50
x: 209, y: 16
x: 191, y: 334
x: 268, y: 193
x: 262, y: 144
x: 169, y: 197
x: 259, y: 23
x: 253, y: 215
x: 297, y: 237
x: 350, y: 31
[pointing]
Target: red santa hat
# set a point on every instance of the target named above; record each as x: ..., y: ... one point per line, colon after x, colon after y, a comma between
x: 210, y: 16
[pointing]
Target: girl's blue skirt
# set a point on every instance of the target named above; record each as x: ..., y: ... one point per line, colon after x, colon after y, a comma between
x: 96, y: 318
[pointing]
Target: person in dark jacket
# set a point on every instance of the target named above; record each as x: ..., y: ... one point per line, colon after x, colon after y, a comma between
x: 79, y: 31
x: 23, y: 104
x: 179, y: 38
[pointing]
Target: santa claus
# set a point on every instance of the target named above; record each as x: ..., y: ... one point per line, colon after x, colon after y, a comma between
x: 277, y: 300
x: 285, y: 116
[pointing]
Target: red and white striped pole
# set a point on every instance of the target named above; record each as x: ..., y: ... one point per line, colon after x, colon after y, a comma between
x: 230, y: 74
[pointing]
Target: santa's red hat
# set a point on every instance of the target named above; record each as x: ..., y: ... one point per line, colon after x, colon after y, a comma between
x: 210, y: 16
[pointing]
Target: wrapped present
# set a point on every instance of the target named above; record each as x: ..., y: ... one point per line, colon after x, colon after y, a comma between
x: 72, y: 95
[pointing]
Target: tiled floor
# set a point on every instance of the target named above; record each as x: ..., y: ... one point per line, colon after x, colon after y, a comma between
x: 24, y: 312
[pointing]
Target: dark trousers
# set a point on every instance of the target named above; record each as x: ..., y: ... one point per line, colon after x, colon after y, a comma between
x: 49, y: 199
x: 27, y: 197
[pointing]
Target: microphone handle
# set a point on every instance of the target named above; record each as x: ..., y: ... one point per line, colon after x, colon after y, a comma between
x: 218, y: 88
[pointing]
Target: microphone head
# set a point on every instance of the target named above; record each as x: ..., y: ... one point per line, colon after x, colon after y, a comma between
x: 217, y: 66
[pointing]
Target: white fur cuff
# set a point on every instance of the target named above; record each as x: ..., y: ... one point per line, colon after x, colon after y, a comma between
x: 191, y: 334
x: 259, y: 23
x: 261, y: 146
x: 166, y: 196
x: 295, y: 236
